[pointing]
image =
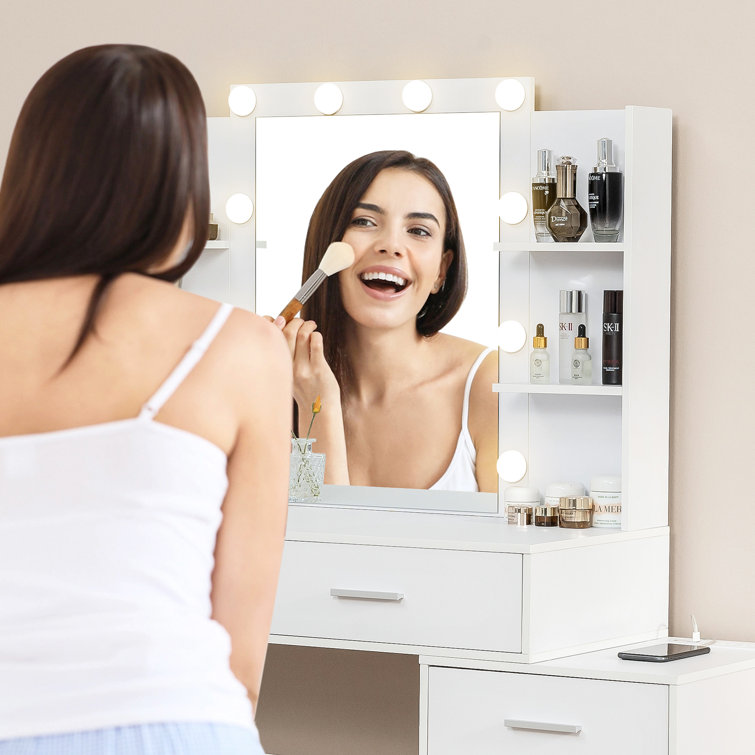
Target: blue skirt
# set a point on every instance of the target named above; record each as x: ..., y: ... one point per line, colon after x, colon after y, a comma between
x: 144, y: 739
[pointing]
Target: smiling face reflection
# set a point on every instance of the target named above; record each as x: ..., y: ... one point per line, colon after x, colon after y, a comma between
x: 397, y: 231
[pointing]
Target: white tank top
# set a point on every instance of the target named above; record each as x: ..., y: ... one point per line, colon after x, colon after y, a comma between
x: 460, y: 473
x: 107, y: 535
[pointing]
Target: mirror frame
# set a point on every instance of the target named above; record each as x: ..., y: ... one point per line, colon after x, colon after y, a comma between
x: 232, y: 150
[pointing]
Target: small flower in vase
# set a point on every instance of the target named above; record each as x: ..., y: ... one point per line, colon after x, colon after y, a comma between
x: 307, y: 468
x: 316, y: 408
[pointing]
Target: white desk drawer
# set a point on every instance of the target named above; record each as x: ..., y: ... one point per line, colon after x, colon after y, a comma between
x: 408, y: 596
x: 493, y: 712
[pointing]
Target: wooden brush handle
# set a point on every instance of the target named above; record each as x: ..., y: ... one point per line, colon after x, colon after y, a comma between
x: 291, y: 310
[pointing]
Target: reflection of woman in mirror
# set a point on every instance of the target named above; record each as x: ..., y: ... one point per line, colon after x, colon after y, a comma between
x: 403, y: 405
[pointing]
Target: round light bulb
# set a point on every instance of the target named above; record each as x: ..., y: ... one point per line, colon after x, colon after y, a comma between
x: 239, y: 208
x: 512, y: 207
x: 328, y: 98
x: 511, y: 336
x: 242, y: 100
x: 509, y: 94
x: 511, y: 466
x: 417, y: 96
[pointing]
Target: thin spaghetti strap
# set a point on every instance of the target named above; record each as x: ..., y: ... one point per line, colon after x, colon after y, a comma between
x: 186, y: 365
x: 468, y: 388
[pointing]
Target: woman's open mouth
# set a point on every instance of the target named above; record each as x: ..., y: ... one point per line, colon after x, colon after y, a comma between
x: 383, y: 285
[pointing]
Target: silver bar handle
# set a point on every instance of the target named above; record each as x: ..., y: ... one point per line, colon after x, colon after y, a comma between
x: 340, y: 592
x: 542, y: 726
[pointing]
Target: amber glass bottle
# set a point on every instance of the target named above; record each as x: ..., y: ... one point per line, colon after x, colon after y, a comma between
x: 566, y: 218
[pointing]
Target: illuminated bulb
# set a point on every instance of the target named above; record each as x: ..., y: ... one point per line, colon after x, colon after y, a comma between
x: 328, y: 99
x: 512, y: 207
x: 239, y: 208
x: 242, y: 100
x: 511, y: 336
x: 509, y: 94
x: 511, y: 466
x: 417, y: 96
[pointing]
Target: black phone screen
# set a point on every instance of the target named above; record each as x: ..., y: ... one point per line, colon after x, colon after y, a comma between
x: 668, y: 651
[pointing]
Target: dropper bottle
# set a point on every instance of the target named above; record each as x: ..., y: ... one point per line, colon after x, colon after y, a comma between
x: 540, y: 366
x: 581, y: 361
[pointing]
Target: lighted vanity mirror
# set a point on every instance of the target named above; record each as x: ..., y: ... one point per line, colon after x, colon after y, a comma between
x: 298, y: 153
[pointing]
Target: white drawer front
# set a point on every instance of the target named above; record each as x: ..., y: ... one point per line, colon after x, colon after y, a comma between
x: 408, y: 596
x: 497, y: 713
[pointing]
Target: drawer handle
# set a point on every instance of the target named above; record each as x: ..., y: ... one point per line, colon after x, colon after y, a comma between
x: 542, y: 726
x: 339, y: 592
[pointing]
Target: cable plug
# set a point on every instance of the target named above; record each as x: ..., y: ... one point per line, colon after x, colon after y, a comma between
x: 695, y: 630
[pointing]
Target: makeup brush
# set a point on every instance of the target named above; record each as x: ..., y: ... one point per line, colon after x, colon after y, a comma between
x: 338, y: 256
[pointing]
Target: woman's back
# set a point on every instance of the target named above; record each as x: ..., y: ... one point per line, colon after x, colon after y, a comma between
x: 108, y: 516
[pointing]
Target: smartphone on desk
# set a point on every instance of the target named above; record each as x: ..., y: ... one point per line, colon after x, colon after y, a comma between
x: 668, y: 651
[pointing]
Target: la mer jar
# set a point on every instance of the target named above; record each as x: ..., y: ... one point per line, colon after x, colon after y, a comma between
x: 575, y: 512
x: 605, y: 490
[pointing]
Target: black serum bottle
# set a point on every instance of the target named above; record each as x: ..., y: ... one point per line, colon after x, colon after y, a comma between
x: 613, y: 313
x: 606, y: 195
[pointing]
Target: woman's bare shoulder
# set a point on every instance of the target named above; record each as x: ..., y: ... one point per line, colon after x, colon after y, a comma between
x: 462, y: 350
x: 245, y: 343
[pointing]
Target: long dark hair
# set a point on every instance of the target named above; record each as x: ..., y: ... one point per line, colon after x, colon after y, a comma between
x: 108, y: 156
x: 329, y: 223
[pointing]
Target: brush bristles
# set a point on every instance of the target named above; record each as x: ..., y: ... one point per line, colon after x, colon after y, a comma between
x: 338, y: 256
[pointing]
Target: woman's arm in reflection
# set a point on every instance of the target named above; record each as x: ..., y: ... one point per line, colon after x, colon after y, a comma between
x: 312, y: 378
x: 483, y: 423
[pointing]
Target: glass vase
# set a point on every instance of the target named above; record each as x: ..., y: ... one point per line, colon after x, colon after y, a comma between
x: 306, y: 473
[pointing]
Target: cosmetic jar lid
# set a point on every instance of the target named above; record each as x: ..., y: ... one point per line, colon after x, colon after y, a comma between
x: 608, y: 483
x: 521, y: 494
x: 572, y: 302
x: 559, y: 489
x: 576, y: 502
x: 546, y: 510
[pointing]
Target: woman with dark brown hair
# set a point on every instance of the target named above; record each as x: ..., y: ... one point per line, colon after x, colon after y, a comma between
x: 404, y: 405
x: 143, y: 430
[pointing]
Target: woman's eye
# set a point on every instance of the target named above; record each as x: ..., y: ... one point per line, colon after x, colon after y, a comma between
x: 364, y: 222
x: 419, y: 231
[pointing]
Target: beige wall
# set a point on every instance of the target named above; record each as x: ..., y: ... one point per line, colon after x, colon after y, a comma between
x: 582, y: 55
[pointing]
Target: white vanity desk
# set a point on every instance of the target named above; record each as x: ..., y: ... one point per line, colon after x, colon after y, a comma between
x: 508, y: 623
x: 466, y: 586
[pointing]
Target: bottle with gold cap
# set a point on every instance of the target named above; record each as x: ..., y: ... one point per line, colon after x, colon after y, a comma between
x: 540, y: 365
x: 581, y: 361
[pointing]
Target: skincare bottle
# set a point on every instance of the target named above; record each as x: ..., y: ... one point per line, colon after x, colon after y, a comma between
x: 572, y: 313
x: 543, y: 194
x: 606, y: 195
x: 540, y: 363
x: 613, y: 307
x: 566, y: 218
x: 212, y: 231
x: 581, y: 361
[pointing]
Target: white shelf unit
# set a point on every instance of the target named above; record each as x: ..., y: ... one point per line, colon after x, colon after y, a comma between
x: 571, y: 432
